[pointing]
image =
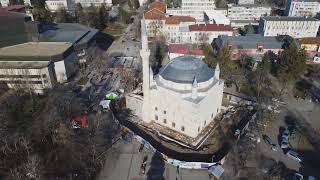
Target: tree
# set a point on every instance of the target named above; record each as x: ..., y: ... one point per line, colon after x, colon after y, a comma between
x: 62, y: 15
x: 260, y: 75
x: 42, y: 14
x: 208, y: 54
x: 249, y: 29
x: 292, y: 63
x: 102, y: 17
x: 80, y: 15
x: 92, y: 18
x: 136, y: 4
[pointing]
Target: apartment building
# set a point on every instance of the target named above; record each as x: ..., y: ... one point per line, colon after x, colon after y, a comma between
x: 300, y: 8
x: 193, y: 8
x: 245, y: 1
x: 54, y: 5
x: 312, y: 48
x: 297, y: 27
x: 245, y: 14
x: 87, y: 3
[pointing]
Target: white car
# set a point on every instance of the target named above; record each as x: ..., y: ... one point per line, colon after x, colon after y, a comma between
x: 294, y: 155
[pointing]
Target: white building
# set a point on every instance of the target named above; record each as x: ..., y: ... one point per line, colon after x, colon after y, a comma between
x: 297, y: 27
x: 185, y: 96
x: 43, y: 64
x: 245, y: 2
x: 54, y: 5
x: 198, y: 33
x: 193, y: 8
x: 155, y: 18
x: 87, y: 3
x: 4, y: 3
x: 300, y: 8
x: 245, y: 14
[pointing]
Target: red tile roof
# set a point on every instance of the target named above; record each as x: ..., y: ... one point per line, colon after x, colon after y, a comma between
x: 183, y: 49
x: 160, y: 5
x: 6, y: 13
x: 179, y: 19
x: 210, y: 27
x: 154, y: 14
x: 15, y: 7
x: 310, y: 40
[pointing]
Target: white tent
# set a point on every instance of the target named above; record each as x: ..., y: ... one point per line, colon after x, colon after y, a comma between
x: 105, y: 104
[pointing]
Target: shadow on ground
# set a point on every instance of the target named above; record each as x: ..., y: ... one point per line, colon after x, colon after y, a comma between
x: 156, y: 167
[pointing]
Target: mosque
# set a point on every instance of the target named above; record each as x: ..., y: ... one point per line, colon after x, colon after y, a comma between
x: 185, y: 96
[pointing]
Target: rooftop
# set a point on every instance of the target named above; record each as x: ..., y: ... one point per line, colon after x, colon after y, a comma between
x: 154, y: 14
x: 184, y: 69
x: 179, y: 19
x: 310, y: 40
x: 287, y: 18
x: 210, y: 27
x: 249, y: 5
x: 159, y: 5
x: 34, y: 51
x: 251, y: 41
x: 184, y: 49
x: 23, y: 65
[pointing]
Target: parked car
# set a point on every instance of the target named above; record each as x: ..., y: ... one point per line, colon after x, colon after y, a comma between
x: 297, y: 176
x: 268, y: 141
x: 284, y: 144
x: 294, y: 155
x: 286, y: 134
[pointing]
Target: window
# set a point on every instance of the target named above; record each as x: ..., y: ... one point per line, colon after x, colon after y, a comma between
x: 212, y: 115
x: 182, y: 128
x: 217, y: 110
x: 198, y: 129
x: 156, y: 108
x: 204, y: 123
x: 164, y: 112
x: 165, y: 121
x: 156, y: 117
x: 173, y: 124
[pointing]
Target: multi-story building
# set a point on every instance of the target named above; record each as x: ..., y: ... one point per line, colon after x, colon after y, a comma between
x: 4, y: 3
x: 312, y: 48
x: 300, y: 8
x: 245, y: 14
x: 297, y: 27
x: 155, y: 18
x: 87, y: 3
x: 193, y: 8
x: 54, y: 5
x: 245, y: 1
x: 254, y: 46
x: 36, y: 56
x: 198, y: 33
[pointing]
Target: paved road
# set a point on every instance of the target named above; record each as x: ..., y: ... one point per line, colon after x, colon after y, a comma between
x: 124, y: 160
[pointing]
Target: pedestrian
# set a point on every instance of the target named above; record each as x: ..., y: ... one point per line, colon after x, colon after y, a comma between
x: 178, y: 169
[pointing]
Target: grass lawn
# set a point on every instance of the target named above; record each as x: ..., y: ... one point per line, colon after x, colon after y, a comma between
x: 115, y: 29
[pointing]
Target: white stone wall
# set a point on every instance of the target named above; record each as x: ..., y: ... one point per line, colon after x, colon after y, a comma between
x: 134, y: 103
x: 170, y: 107
x: 247, y: 12
x: 302, y: 8
x: 296, y: 29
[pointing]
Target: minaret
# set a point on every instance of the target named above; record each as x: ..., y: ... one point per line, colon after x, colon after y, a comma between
x: 145, y: 53
x: 217, y: 72
x: 194, y: 89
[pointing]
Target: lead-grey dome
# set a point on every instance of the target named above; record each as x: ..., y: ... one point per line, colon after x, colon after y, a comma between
x: 184, y: 69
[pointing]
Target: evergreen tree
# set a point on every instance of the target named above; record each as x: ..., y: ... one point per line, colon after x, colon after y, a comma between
x: 62, y: 16
x: 292, y: 63
x: 102, y: 17
x: 92, y: 16
x: 80, y: 15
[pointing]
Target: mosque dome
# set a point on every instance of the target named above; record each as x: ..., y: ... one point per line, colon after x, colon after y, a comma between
x: 184, y: 69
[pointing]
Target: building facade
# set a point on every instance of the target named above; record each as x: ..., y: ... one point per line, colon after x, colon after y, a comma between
x: 54, y: 5
x: 300, y: 8
x: 247, y: 13
x: 245, y: 1
x: 193, y: 8
x: 254, y: 46
x: 195, y: 89
x: 155, y: 18
x: 87, y: 3
x: 176, y: 50
x: 312, y: 48
x: 297, y: 27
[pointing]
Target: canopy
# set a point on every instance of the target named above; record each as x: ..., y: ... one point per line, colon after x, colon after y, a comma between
x: 111, y: 96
